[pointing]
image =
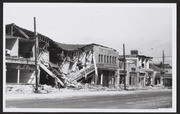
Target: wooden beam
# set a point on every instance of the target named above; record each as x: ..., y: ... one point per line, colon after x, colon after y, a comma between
x: 96, y: 71
x: 19, y: 30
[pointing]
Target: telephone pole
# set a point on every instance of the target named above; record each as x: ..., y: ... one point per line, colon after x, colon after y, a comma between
x: 124, y: 66
x: 163, y: 60
x: 163, y: 65
x: 36, y: 54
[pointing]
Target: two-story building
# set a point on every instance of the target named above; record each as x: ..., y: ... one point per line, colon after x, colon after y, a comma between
x: 20, y: 54
x: 103, y: 62
x: 137, y: 68
x: 162, y: 77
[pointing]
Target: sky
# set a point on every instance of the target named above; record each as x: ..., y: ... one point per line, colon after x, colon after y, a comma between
x: 148, y: 28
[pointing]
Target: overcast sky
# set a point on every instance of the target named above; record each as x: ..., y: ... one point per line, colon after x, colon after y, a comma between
x: 144, y: 27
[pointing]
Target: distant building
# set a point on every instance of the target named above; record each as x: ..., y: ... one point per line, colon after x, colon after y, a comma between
x: 138, y: 71
x: 160, y: 77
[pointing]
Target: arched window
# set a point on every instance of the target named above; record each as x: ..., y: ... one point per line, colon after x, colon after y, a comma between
x: 99, y: 58
x: 115, y: 60
x: 110, y: 59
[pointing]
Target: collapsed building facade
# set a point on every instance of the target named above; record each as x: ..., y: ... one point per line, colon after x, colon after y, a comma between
x: 91, y: 63
x: 20, y: 55
x: 59, y: 64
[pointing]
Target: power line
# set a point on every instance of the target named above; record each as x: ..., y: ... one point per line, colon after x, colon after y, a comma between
x: 161, y: 57
x: 155, y: 47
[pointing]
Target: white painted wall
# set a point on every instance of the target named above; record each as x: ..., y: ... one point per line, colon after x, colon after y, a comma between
x: 13, y: 44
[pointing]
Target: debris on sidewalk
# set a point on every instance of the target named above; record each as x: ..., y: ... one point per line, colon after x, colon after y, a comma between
x: 19, y: 89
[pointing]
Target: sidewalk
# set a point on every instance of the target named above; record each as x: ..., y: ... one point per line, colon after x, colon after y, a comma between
x: 72, y: 94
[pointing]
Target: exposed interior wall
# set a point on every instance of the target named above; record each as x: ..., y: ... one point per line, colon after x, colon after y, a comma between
x: 54, y: 54
x: 106, y: 78
x: 25, y: 75
x: 26, y: 49
x: 45, y: 57
x: 45, y: 78
x: 11, y: 75
x: 12, y: 44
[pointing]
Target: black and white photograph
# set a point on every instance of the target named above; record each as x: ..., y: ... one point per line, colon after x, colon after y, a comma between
x: 89, y: 57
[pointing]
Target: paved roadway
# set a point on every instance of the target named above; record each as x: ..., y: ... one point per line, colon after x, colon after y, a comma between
x: 137, y: 100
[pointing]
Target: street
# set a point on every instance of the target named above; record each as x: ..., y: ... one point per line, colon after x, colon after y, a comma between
x: 136, y: 100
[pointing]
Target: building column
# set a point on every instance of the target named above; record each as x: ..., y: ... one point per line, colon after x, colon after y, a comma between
x: 18, y: 76
x: 161, y: 80
x: 38, y: 77
x: 102, y: 78
x: 117, y: 79
x: 153, y: 78
x: 95, y: 67
x: 144, y: 81
x: 137, y: 79
x: 127, y: 75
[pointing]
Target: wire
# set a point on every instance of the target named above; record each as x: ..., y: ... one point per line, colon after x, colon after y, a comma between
x: 161, y: 57
x: 155, y: 47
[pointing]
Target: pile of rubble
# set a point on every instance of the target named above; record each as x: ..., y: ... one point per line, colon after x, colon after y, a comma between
x: 29, y: 89
x: 88, y: 87
x: 19, y: 89
x: 76, y: 86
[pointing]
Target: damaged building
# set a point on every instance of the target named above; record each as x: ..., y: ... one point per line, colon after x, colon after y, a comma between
x: 138, y: 70
x: 59, y: 64
x: 163, y: 78
x: 90, y: 63
x: 20, y: 55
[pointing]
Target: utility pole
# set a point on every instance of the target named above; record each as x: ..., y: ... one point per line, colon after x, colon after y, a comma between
x: 124, y: 66
x: 163, y: 65
x: 36, y: 54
